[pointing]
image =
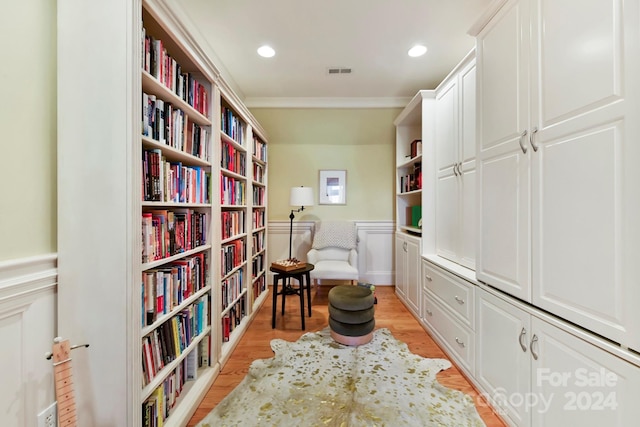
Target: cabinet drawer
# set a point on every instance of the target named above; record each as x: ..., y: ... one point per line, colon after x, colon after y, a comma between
x: 456, y: 294
x: 458, y: 339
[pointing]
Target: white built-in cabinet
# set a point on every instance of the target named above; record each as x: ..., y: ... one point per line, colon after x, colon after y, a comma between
x: 415, y: 122
x: 448, y: 304
x: 536, y: 371
x: 407, y: 260
x: 455, y: 148
x: 559, y: 187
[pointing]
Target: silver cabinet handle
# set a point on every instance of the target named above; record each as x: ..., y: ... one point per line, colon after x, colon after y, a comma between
x: 460, y: 300
x: 521, y: 338
x: 460, y: 343
x: 404, y: 246
x: 429, y: 312
x: 534, y: 145
x: 533, y: 341
x: 523, y: 145
x: 455, y: 169
x: 426, y: 276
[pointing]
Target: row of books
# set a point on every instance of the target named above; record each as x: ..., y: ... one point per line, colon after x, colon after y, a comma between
x: 157, y: 407
x: 168, y: 125
x: 258, y: 216
x: 257, y: 242
x: 167, y: 287
x: 232, y: 255
x: 170, y: 232
x: 258, y: 173
x: 258, y: 196
x: 259, y: 149
x: 165, y: 343
x: 232, y: 191
x: 259, y: 286
x: 164, y: 181
x: 232, y: 125
x: 157, y: 62
x: 257, y: 265
x: 231, y: 288
x: 233, y: 317
x: 232, y: 159
x: 232, y: 223
x: 413, y: 180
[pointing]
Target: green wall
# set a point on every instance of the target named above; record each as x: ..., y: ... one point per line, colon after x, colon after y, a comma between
x: 304, y: 141
x: 28, y: 129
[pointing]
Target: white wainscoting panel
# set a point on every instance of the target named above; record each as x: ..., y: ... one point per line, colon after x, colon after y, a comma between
x: 375, y: 247
x: 28, y: 300
x: 375, y: 251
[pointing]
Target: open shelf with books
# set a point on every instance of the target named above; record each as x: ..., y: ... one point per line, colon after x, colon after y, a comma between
x: 176, y: 146
x: 413, y: 139
x: 157, y: 175
x: 258, y: 218
x: 234, y: 185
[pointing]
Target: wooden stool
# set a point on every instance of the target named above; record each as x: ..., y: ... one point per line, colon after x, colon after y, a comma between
x: 300, y: 275
x: 351, y: 314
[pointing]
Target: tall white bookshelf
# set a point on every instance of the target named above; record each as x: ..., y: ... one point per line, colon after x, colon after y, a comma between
x: 147, y: 297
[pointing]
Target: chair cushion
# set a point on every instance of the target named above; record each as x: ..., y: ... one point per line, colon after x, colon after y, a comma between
x: 351, y: 317
x: 335, y: 254
x: 334, y: 270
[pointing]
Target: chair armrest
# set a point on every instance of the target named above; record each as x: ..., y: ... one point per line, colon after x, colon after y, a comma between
x: 312, y: 256
x: 353, y: 258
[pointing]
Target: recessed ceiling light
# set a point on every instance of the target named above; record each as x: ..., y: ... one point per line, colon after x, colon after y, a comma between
x: 417, y: 50
x: 266, y: 51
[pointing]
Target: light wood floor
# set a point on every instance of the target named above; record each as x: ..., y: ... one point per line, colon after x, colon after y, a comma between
x: 390, y: 313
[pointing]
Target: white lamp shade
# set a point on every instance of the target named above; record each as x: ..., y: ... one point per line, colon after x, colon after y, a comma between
x: 301, y: 196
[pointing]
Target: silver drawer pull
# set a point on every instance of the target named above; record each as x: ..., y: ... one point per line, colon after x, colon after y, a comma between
x: 523, y: 332
x: 533, y: 341
x: 523, y: 147
x: 460, y: 343
x: 460, y: 300
x: 426, y: 276
x: 428, y: 312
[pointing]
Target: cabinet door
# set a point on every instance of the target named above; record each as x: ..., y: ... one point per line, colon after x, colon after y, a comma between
x: 502, y: 357
x: 576, y: 383
x: 413, y: 284
x: 467, y: 179
x: 446, y: 132
x: 447, y: 215
x: 401, y: 268
x: 584, y: 180
x: 503, y: 255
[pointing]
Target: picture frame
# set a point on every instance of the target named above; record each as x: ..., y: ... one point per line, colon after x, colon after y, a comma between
x: 333, y: 187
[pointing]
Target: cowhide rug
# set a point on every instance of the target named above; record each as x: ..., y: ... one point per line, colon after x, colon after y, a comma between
x: 318, y: 382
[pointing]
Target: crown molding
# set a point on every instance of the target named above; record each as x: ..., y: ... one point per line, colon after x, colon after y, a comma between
x: 326, y: 102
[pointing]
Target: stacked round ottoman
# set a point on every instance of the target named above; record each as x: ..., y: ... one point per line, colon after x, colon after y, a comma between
x: 351, y: 314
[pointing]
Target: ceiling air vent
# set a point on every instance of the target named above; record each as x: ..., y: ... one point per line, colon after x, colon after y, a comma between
x: 338, y: 70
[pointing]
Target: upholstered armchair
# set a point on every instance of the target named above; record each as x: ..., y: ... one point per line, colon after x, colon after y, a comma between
x: 334, y: 251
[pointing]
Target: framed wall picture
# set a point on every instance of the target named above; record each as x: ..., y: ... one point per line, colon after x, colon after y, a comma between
x: 333, y: 187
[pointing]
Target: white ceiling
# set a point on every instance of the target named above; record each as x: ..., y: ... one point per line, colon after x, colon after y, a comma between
x: 369, y: 36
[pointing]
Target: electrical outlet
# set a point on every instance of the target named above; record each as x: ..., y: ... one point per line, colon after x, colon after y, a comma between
x: 49, y: 417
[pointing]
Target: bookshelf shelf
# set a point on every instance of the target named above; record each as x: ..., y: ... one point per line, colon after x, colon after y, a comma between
x: 157, y: 381
x: 152, y: 86
x: 163, y: 318
x: 141, y: 131
x: 173, y: 154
